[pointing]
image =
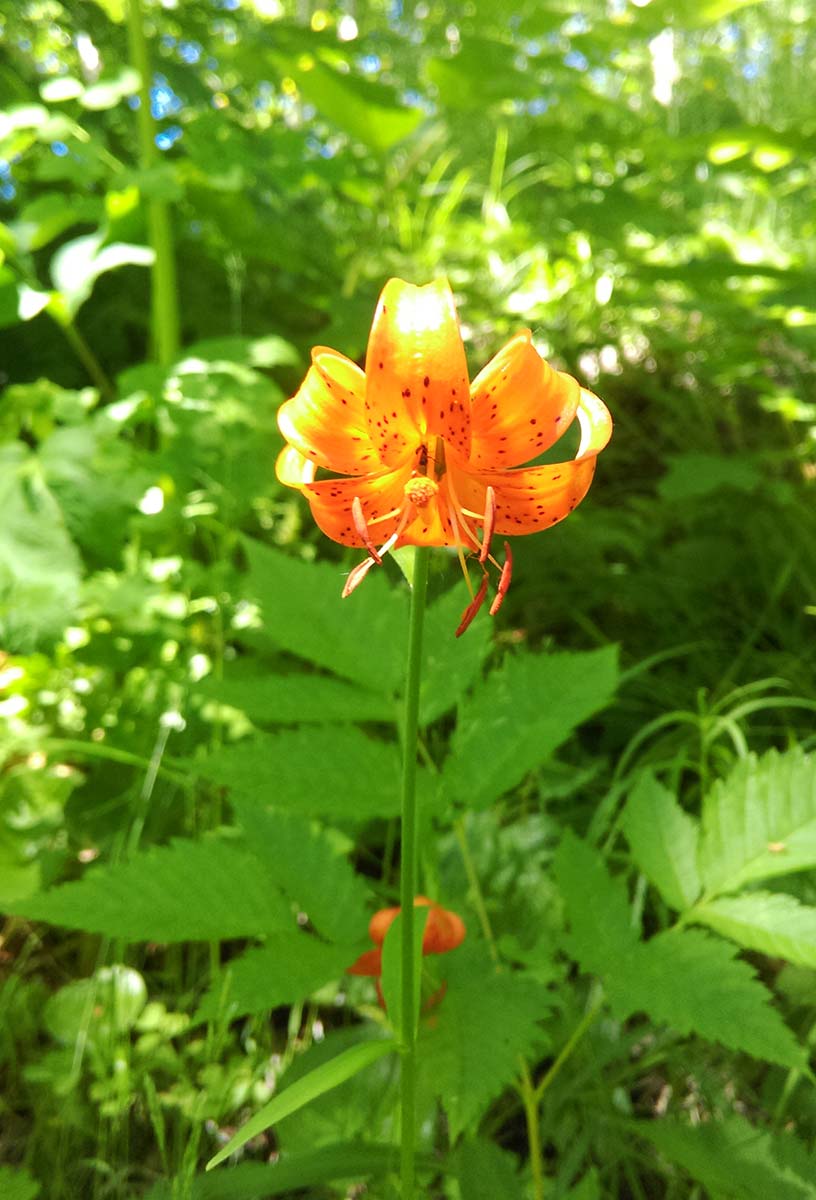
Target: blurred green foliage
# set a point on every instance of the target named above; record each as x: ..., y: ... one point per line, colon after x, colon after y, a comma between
x: 188, y: 711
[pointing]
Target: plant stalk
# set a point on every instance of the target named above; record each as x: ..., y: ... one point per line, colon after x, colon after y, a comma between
x: 408, y: 871
x: 164, y: 314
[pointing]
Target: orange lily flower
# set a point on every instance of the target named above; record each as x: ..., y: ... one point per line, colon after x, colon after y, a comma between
x: 408, y: 453
x: 444, y: 930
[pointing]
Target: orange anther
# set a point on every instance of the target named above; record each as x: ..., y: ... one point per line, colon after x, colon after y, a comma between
x: 504, y: 580
x: 357, y: 574
x: 474, y: 606
x: 489, y: 523
x: 360, y: 525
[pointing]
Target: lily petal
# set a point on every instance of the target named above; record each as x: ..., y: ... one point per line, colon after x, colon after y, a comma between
x: 326, y: 421
x: 379, y: 494
x: 416, y: 371
x: 521, y: 406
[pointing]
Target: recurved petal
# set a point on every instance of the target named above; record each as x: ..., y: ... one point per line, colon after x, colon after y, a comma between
x: 369, y: 963
x: 521, y: 405
x: 416, y: 372
x: 325, y: 420
x: 381, y: 497
x: 293, y: 468
x: 532, y: 498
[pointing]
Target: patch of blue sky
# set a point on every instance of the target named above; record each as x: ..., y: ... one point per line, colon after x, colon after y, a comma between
x: 575, y: 59
x: 59, y: 148
x: 370, y: 63
x: 163, y: 100
x: 8, y: 191
x: 189, y: 52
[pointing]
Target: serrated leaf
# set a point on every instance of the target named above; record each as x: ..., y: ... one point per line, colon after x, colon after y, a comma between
x: 663, y: 840
x: 729, y: 1157
x: 771, y: 922
x: 288, y: 699
x: 484, y: 1023
x: 695, y: 984
x: 182, y: 892
x: 286, y: 970
x: 486, y: 1172
x: 682, y: 978
x: 336, y: 1071
x: 597, y: 908
x: 520, y: 715
x: 304, y: 863
x: 334, y: 771
x: 362, y: 638
x: 760, y: 822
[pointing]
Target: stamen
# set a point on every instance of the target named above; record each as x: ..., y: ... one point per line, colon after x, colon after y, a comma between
x: 489, y: 523
x: 473, y: 607
x: 357, y: 574
x: 504, y: 580
x: 362, y: 529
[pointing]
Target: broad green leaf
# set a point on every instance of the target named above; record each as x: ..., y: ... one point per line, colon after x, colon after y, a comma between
x: 771, y: 922
x: 367, y: 111
x: 109, y: 90
x: 17, y: 1184
x: 362, y: 638
x: 392, y: 967
x: 486, y: 1172
x: 48, y: 216
x: 695, y: 984
x: 692, y: 475
x: 287, y: 699
x: 305, y: 864
x: 521, y: 714
x: 663, y: 840
x: 682, y: 978
x: 730, y: 1157
x: 287, y: 969
x: 186, y: 891
x: 105, y: 1005
x: 77, y: 265
x: 760, y: 822
x: 484, y: 1023
x: 601, y: 934
x: 588, y: 1189
x: 334, y: 771
x: 483, y: 72
x: 307, y: 1088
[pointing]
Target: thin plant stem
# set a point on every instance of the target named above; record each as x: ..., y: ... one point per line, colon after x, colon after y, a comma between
x: 530, y: 1102
x: 87, y: 357
x: 475, y: 888
x: 408, y: 871
x: 575, y: 1037
x: 164, y: 324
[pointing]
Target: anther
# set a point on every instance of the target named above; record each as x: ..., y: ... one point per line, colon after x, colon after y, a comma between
x: 421, y: 490
x: 362, y: 529
x: 357, y: 574
x: 474, y: 606
x: 489, y: 523
x: 504, y: 580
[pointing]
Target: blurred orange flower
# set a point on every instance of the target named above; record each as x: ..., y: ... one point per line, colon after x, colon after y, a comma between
x: 410, y: 453
x: 444, y: 931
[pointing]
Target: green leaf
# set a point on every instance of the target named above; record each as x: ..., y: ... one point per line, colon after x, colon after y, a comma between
x: 304, y: 862
x: 771, y: 922
x: 597, y: 908
x: 109, y: 90
x: 356, y: 1161
x: 520, y: 715
x: 366, y: 110
x: 287, y: 699
x: 695, y: 984
x: 77, y: 265
x: 309, y: 1087
x: 663, y: 840
x: 681, y: 978
x: 17, y: 1184
x: 729, y: 1157
x: 692, y: 475
x: 486, y: 1172
x: 392, y: 967
x: 760, y: 822
x: 333, y: 770
x: 484, y: 1023
x: 182, y: 892
x: 39, y: 564
x: 361, y: 638
x: 287, y: 969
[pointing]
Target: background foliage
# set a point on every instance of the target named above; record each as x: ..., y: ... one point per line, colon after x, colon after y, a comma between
x: 199, y: 743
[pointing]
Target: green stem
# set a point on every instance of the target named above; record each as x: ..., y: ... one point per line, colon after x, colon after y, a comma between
x: 530, y: 1102
x: 164, y: 323
x: 88, y: 359
x: 408, y: 870
x: 566, y: 1053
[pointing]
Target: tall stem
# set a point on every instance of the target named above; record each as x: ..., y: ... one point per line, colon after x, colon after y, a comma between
x: 164, y: 316
x: 408, y: 870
